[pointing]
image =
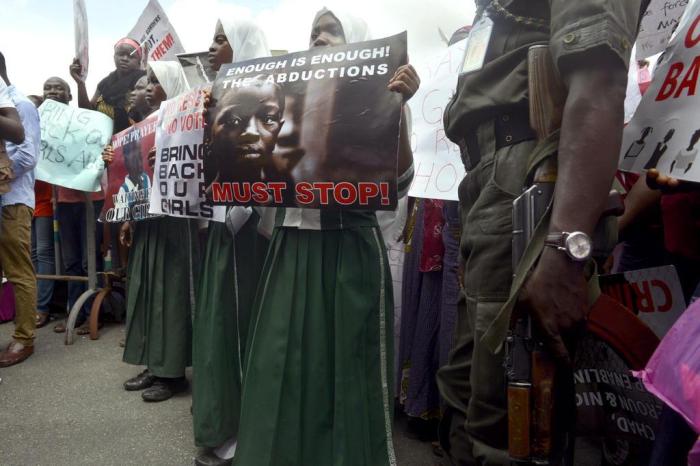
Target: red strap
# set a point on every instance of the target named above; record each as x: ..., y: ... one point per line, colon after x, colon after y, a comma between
x: 616, y: 325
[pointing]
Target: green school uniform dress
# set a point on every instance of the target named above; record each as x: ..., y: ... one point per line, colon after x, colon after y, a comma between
x: 226, y: 291
x: 318, y: 375
x: 160, y: 295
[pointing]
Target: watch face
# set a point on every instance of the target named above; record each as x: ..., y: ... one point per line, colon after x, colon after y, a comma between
x: 579, y: 245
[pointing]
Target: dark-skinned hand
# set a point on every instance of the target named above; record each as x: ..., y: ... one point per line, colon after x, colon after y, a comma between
x: 667, y: 184
x: 108, y: 155
x: 207, y: 103
x: 656, y: 180
x: 126, y: 234
x: 75, y: 69
x: 152, y: 157
x: 405, y: 81
x: 556, y: 297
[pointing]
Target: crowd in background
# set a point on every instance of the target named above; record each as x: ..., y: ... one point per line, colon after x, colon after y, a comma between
x: 297, y: 372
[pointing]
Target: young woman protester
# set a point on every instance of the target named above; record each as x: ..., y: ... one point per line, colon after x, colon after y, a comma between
x: 112, y: 94
x: 162, y: 261
x: 231, y: 268
x: 317, y: 386
x: 138, y: 106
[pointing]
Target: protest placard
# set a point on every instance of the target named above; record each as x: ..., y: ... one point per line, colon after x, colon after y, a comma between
x: 80, y: 25
x: 156, y: 35
x: 654, y: 294
x: 664, y: 132
x: 178, y: 179
x: 129, y: 176
x: 657, y: 25
x: 437, y: 160
x: 616, y: 417
x: 196, y: 68
x: 72, y: 140
x: 315, y: 129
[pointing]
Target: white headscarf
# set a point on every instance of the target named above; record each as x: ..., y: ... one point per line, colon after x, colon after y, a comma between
x: 170, y: 76
x: 246, y: 39
x: 355, y: 29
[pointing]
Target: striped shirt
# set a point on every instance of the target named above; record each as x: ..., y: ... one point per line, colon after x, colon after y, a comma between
x: 326, y: 219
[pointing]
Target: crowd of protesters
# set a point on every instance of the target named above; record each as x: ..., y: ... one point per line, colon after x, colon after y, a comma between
x: 292, y: 361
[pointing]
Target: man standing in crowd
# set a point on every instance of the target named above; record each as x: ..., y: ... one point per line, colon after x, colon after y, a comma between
x: 17, y: 211
x: 590, y: 43
x: 10, y: 125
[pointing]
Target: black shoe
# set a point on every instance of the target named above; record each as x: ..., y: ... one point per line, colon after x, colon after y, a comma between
x: 144, y: 380
x: 208, y: 458
x: 164, y: 388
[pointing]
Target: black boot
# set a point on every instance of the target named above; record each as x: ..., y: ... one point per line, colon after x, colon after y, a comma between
x: 144, y: 380
x: 164, y: 388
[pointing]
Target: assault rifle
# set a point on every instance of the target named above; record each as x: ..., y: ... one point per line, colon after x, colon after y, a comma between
x: 529, y: 367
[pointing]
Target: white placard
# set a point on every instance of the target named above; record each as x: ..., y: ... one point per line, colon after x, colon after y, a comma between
x: 437, y: 161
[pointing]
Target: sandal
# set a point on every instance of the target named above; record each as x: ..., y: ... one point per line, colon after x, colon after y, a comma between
x: 60, y: 327
x: 85, y: 328
x: 42, y: 318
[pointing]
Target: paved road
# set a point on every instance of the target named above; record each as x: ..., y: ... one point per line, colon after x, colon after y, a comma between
x: 65, y: 406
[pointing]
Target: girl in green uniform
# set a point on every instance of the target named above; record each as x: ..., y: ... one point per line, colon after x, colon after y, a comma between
x: 160, y: 296
x: 317, y: 387
x: 232, y: 264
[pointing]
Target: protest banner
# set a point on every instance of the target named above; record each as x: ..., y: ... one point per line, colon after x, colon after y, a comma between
x: 316, y: 129
x: 616, y: 417
x: 72, y: 140
x: 80, y: 25
x: 658, y: 23
x: 196, y: 68
x: 129, y: 175
x: 654, y: 294
x: 664, y: 132
x: 437, y: 160
x: 156, y: 35
x: 178, y: 180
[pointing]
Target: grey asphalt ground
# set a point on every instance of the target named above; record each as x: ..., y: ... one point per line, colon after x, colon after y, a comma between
x: 65, y: 405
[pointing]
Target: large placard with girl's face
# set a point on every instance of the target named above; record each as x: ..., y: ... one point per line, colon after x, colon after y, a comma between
x: 314, y: 129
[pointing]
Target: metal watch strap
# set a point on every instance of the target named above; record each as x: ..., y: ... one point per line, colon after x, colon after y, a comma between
x: 556, y: 240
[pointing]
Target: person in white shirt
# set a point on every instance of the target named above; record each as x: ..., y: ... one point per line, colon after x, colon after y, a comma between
x: 17, y: 213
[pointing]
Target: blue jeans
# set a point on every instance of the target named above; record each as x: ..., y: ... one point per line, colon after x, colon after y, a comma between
x: 71, y: 227
x: 43, y: 259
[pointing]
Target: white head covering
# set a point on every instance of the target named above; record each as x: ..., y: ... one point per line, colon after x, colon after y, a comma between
x: 355, y: 29
x: 170, y: 76
x: 247, y: 40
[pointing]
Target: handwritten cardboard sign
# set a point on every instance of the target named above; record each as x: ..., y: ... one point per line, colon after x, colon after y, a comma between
x: 437, y: 162
x: 658, y: 23
x: 72, y: 140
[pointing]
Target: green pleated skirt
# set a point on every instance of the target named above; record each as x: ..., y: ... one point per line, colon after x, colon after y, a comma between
x: 160, y: 295
x: 229, y: 277
x: 318, y: 384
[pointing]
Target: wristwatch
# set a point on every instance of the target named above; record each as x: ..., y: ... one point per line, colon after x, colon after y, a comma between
x: 576, y: 244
